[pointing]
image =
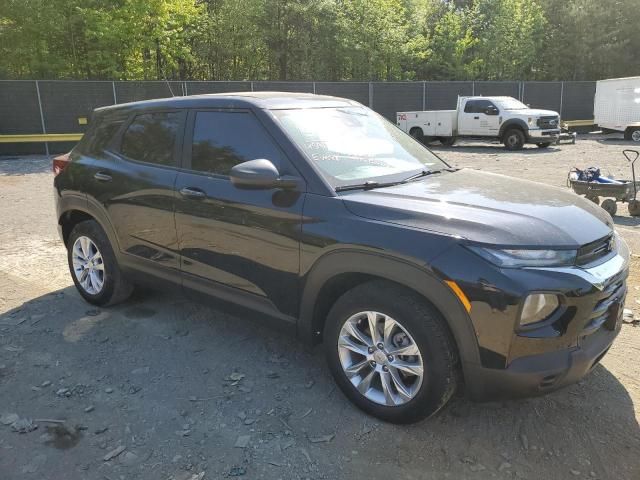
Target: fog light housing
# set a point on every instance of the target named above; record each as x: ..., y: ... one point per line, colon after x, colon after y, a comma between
x: 538, y: 307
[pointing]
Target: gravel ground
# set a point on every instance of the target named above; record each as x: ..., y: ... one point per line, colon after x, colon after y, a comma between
x: 162, y: 388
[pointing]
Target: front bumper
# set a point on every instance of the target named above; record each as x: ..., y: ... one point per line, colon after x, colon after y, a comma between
x: 559, y: 354
x: 543, y: 136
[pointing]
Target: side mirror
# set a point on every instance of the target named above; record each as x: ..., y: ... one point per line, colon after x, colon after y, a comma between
x: 491, y: 111
x: 259, y: 174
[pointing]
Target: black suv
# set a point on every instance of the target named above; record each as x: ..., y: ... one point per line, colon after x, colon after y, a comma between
x: 418, y: 277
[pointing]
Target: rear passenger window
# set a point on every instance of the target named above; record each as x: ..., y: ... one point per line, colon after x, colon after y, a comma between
x: 222, y: 140
x: 151, y: 138
x: 101, y: 136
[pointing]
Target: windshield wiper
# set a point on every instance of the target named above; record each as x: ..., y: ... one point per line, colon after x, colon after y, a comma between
x: 365, y: 186
x: 425, y: 173
x: 371, y: 184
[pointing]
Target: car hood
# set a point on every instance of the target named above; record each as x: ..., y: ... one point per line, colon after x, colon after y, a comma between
x: 535, y: 112
x: 486, y: 208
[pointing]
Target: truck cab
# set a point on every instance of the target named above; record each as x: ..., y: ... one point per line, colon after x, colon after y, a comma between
x: 503, y: 118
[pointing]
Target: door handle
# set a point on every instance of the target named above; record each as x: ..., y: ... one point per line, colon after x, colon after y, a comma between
x: 102, y: 177
x: 476, y: 118
x: 192, y: 192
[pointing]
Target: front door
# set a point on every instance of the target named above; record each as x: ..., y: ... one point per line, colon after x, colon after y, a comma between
x: 246, y: 241
x: 480, y: 118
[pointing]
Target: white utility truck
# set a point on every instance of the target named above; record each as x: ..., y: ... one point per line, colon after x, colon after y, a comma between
x: 616, y: 106
x: 503, y: 118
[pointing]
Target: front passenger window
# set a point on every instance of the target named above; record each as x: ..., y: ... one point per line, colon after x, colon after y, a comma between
x: 222, y: 140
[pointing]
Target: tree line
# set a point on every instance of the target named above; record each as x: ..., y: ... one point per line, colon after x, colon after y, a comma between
x: 319, y: 39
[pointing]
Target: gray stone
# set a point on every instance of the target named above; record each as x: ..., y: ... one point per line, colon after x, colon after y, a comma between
x: 114, y: 453
x: 242, y: 441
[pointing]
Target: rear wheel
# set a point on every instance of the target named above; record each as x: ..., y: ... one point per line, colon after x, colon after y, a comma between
x: 390, y: 352
x: 595, y: 199
x: 93, y: 266
x: 416, y: 132
x: 634, y: 208
x: 513, y: 139
x: 610, y: 206
x: 635, y: 135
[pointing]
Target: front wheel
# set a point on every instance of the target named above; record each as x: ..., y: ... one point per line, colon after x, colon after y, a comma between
x: 94, y: 267
x: 390, y: 352
x: 513, y: 139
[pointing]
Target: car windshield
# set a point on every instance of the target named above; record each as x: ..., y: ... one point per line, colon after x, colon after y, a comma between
x: 509, y: 103
x: 354, y: 145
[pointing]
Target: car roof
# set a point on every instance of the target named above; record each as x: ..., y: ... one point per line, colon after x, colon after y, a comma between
x: 263, y: 100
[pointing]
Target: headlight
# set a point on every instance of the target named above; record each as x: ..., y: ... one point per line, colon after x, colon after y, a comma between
x: 538, y: 307
x: 510, y: 258
x: 530, y: 121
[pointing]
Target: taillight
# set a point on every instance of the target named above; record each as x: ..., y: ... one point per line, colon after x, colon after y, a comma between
x: 60, y: 162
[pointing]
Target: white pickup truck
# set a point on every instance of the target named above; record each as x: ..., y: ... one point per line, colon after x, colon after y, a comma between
x: 503, y: 118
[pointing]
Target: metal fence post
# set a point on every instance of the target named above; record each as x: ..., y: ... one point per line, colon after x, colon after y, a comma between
x: 252, y: 86
x: 115, y: 97
x: 314, y: 88
x: 522, y: 91
x: 44, y: 128
x: 561, y: 97
x: 370, y: 94
x: 473, y: 88
x: 424, y: 95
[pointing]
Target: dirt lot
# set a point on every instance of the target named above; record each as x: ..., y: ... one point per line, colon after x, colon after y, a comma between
x: 192, y: 392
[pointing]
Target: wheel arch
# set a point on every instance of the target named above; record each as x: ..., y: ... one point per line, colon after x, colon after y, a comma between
x: 337, y: 272
x: 75, y: 214
x: 513, y: 123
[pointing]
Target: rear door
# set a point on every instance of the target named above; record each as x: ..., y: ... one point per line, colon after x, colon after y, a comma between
x: 238, y: 242
x: 136, y: 188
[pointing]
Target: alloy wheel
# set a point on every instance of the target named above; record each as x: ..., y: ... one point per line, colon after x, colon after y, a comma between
x: 380, y: 358
x: 88, y: 265
x: 635, y: 136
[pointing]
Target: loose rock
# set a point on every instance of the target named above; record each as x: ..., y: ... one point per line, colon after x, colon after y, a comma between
x: 114, y: 453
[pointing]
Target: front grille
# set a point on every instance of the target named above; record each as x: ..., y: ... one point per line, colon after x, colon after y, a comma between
x: 607, y: 310
x: 593, y: 251
x: 548, y: 122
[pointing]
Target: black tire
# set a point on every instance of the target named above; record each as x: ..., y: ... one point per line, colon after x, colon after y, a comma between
x: 595, y: 199
x: 430, y: 333
x: 543, y: 144
x: 447, y: 141
x: 610, y: 206
x: 416, y: 132
x: 634, y: 208
x: 634, y: 134
x: 115, y: 288
x: 513, y: 139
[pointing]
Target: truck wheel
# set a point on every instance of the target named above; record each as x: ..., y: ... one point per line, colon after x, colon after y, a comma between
x: 513, y: 139
x: 634, y: 208
x: 610, y: 206
x: 391, y: 352
x: 635, y: 134
x: 543, y: 145
x: 595, y: 199
x: 416, y: 132
x: 447, y: 141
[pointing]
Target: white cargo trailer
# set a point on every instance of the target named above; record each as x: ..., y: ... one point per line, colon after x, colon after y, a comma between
x: 616, y: 106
